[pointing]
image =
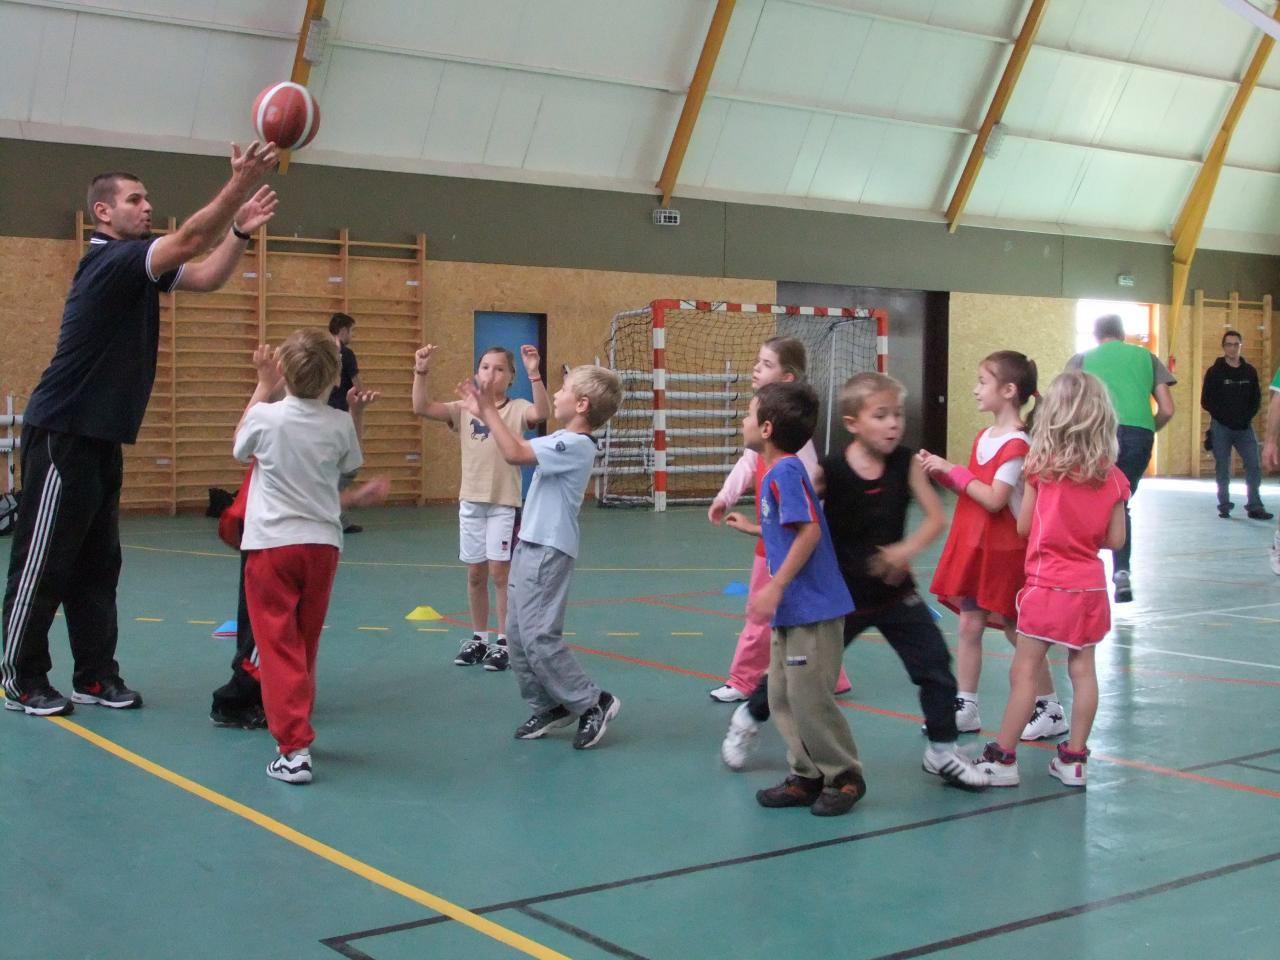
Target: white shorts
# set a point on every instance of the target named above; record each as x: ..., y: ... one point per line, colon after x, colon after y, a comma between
x: 485, y: 531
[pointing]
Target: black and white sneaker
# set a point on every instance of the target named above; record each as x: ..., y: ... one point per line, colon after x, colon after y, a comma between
x: 1123, y: 585
x: 110, y: 692
x: 496, y: 657
x: 40, y: 702
x: 593, y: 723
x: 540, y: 723
x: 292, y: 769
x: 471, y: 652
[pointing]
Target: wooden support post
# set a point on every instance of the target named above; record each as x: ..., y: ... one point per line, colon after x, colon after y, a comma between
x: 344, y: 268
x: 995, y: 111
x: 693, y: 99
x: 301, y: 72
x: 421, y: 254
x: 262, y: 283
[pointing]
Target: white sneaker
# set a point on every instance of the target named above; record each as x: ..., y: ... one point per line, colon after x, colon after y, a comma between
x: 727, y: 694
x: 1071, y: 770
x: 1048, y: 720
x: 967, y: 719
x: 741, y: 740
x: 1274, y: 554
x: 1000, y: 774
x: 955, y: 768
x: 294, y: 769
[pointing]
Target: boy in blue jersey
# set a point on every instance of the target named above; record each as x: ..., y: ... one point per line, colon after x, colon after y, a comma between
x: 807, y: 600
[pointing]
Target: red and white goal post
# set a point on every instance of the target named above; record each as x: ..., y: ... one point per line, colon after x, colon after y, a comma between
x: 686, y: 371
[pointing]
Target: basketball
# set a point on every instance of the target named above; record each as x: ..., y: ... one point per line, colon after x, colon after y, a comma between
x: 287, y: 115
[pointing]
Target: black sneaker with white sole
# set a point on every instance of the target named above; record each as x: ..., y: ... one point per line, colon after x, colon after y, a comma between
x: 593, y: 723
x: 471, y: 652
x: 110, y: 692
x: 496, y: 657
x: 40, y: 702
x: 540, y: 723
x: 242, y: 718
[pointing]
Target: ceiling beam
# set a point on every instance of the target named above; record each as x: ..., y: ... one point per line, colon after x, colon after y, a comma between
x: 301, y: 72
x: 1004, y: 91
x: 693, y: 99
x: 1190, y: 221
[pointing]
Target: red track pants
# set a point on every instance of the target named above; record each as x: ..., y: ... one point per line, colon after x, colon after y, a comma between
x: 287, y: 589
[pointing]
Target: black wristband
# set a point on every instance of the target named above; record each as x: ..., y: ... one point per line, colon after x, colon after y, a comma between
x: 240, y: 233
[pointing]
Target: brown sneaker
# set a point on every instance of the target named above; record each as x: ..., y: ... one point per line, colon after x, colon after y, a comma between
x: 795, y: 791
x: 845, y: 790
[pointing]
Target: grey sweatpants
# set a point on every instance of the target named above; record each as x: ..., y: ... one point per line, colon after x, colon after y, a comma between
x: 804, y: 662
x: 548, y: 673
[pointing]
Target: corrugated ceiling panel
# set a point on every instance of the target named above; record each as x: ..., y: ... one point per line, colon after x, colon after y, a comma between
x: 583, y: 128
x: 237, y: 68
x: 513, y: 122
x: 647, y: 140
x: 849, y: 156
x: 1028, y: 180
x: 702, y: 145
x: 1000, y: 18
x: 1163, y: 113
x: 20, y: 58
x: 1129, y: 193
x: 1105, y: 27
x: 1256, y: 142
x: 802, y: 54
x: 356, y: 81
x: 282, y: 15
x: 1245, y: 201
x: 736, y: 45
x: 910, y: 166
x: 1067, y: 98
x: 757, y: 149
x: 158, y: 100
x: 1197, y: 36
x: 812, y: 147
x: 459, y: 27
x: 461, y: 117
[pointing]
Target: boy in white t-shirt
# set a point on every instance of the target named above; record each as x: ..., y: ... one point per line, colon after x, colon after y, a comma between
x: 490, y: 492
x: 292, y: 533
x: 551, y: 680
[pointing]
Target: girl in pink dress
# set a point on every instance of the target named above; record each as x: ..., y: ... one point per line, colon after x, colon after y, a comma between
x: 780, y: 360
x: 980, y: 571
x: 1073, y: 507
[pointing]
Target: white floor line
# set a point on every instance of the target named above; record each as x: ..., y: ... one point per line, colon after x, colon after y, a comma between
x: 1195, y: 656
x: 1206, y: 613
x: 1245, y: 616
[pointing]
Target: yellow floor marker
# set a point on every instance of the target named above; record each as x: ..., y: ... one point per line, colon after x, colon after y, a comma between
x: 423, y: 613
x: 622, y: 633
x: 204, y: 623
x: 379, y: 629
x: 433, y: 629
x: 149, y: 619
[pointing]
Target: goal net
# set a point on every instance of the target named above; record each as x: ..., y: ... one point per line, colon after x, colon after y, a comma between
x: 686, y: 371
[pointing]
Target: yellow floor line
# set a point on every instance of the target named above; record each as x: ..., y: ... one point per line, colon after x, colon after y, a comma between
x: 148, y: 619
x: 373, y: 628
x: 324, y: 851
x: 689, y: 633
x: 622, y: 633
x: 204, y: 623
x: 433, y: 629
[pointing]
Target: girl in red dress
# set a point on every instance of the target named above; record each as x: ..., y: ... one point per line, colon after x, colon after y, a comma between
x: 1073, y: 507
x: 980, y: 571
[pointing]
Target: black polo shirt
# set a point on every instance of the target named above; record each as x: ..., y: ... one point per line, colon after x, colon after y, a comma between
x: 100, y: 378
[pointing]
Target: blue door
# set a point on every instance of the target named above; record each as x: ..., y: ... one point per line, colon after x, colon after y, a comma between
x: 512, y: 331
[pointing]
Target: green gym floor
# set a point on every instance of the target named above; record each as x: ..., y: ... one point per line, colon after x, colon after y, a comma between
x: 430, y: 832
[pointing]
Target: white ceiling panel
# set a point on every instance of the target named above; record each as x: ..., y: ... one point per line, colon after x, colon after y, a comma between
x: 513, y: 123
x: 1165, y: 113
x: 802, y: 53
x: 757, y: 149
x: 849, y: 156
x: 1129, y: 193
x: 1066, y: 98
x: 237, y: 69
x: 376, y: 102
x: 24, y: 75
x: 461, y: 117
x: 1256, y: 141
x: 809, y: 157
x: 703, y: 142
x: 1245, y: 201
x: 583, y: 130
x: 281, y: 16
x: 101, y: 96
x: 910, y: 166
x: 1197, y: 35
x: 1028, y: 180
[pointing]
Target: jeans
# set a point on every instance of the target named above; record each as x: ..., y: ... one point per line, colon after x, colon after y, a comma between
x: 1135, y: 454
x: 1246, y: 444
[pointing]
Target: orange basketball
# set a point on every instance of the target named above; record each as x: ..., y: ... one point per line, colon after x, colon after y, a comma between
x: 287, y: 115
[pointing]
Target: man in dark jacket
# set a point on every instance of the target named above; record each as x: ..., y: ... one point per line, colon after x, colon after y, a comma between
x: 1232, y: 396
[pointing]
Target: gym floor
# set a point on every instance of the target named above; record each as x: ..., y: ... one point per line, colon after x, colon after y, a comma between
x: 430, y: 832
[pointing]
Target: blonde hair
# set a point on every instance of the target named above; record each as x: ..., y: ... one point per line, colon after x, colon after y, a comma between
x: 310, y: 362
x: 861, y: 386
x: 1074, y: 437
x: 602, y: 389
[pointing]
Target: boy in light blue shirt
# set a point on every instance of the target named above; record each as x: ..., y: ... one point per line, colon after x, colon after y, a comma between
x: 551, y: 680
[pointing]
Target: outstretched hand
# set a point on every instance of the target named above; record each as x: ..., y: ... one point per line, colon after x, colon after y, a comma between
x: 357, y: 400
x: 474, y: 400
x: 715, y: 512
x: 267, y: 363
x: 1270, y: 456
x: 532, y: 360
x: 257, y: 210
x: 422, y: 358
x: 250, y: 167
x: 934, y: 464
x: 369, y: 494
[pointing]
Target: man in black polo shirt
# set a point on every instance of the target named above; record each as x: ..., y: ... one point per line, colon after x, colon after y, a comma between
x: 89, y: 401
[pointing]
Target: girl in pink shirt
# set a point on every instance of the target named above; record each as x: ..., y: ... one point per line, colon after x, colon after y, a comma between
x: 1072, y: 508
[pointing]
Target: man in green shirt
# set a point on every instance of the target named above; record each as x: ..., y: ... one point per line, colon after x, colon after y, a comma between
x: 1133, y: 376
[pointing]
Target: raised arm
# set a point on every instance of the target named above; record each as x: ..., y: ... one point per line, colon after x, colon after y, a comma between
x: 214, y: 270
x: 423, y: 405
x: 993, y: 497
x: 209, y: 225
x: 514, y: 448
x: 541, y: 402
x: 269, y: 379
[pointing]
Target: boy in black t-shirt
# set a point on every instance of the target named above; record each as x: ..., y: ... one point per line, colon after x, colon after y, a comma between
x: 868, y: 489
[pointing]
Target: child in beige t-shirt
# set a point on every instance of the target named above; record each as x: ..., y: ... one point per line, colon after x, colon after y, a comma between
x: 490, y: 492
